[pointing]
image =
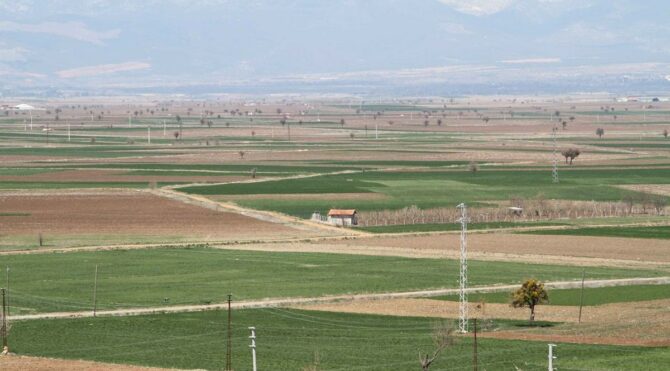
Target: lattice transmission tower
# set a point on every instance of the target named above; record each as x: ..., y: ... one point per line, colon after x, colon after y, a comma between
x: 463, y: 278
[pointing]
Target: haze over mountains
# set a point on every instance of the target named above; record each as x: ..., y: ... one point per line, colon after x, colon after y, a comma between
x: 390, y: 47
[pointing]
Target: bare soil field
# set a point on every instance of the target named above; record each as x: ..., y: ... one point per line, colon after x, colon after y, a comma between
x: 617, y: 323
x: 117, y: 176
x: 126, y: 213
x: 659, y: 189
x: 24, y: 363
x: 520, y: 244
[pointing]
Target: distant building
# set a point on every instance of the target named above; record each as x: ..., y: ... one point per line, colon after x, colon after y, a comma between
x: 343, y: 217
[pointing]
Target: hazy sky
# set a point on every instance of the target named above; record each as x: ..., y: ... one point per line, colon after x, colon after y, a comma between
x: 177, y: 41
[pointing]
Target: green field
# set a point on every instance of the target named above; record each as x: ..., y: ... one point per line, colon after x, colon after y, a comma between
x: 288, y: 339
x: 658, y: 232
x: 438, y: 188
x: 592, y: 296
x: 172, y: 276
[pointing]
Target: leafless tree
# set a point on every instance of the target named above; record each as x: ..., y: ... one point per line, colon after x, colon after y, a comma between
x: 241, y: 153
x: 443, y: 337
x: 600, y: 132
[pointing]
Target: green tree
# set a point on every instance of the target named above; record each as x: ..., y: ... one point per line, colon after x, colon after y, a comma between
x: 530, y: 294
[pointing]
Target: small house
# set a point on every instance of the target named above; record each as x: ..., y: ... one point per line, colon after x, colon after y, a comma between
x: 343, y: 218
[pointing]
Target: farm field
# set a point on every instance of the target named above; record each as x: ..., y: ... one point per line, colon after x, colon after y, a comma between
x: 290, y: 338
x: 196, y: 275
x: 234, y: 200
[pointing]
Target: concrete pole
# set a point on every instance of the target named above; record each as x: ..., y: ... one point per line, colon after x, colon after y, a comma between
x: 253, y: 347
x: 551, y: 357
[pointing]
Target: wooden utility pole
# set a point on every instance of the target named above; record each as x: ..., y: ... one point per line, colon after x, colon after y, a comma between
x: 581, y: 297
x: 3, y: 329
x: 7, y: 270
x: 229, y: 346
x: 95, y: 290
x: 474, y: 349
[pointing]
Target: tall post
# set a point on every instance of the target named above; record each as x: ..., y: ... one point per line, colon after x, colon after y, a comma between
x: 130, y: 123
x: 474, y: 350
x: 376, y: 130
x: 149, y: 134
x: 463, y: 279
x: 581, y: 297
x: 551, y: 357
x: 95, y: 291
x: 31, y: 120
x: 68, y: 131
x: 8, y: 305
x: 3, y: 329
x: 554, y: 170
x: 288, y: 125
x: 253, y: 347
x: 164, y: 128
x: 229, y: 346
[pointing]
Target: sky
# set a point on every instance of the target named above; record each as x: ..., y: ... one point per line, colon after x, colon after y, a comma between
x: 152, y: 43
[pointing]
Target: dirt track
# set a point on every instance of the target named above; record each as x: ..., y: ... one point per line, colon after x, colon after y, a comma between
x: 297, y: 301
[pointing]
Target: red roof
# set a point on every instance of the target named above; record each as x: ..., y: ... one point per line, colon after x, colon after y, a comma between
x: 342, y: 212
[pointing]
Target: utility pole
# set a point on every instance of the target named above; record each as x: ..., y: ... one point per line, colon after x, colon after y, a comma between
x: 149, y: 134
x: 288, y: 125
x: 554, y: 170
x: 3, y: 329
x: 229, y: 346
x: 463, y: 279
x: 8, y: 306
x: 581, y: 297
x: 253, y: 347
x: 68, y: 131
x: 130, y: 123
x: 474, y: 350
x: 164, y: 127
x: 551, y: 357
x: 376, y: 130
x: 95, y: 290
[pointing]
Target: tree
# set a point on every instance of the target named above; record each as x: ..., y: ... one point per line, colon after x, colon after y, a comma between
x: 176, y: 135
x: 600, y: 132
x: 571, y: 154
x: 530, y: 294
x: 241, y: 153
x: 443, y: 337
x: 342, y: 122
x: 665, y: 133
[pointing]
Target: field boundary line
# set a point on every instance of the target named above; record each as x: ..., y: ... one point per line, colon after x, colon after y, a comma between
x: 283, y: 302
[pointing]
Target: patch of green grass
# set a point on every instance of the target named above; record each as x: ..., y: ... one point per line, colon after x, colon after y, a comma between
x: 657, y: 232
x: 288, y: 339
x: 592, y: 296
x: 140, y: 278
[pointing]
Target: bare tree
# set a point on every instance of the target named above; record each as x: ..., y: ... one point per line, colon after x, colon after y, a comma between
x: 473, y: 167
x: 241, y: 153
x: 665, y: 133
x: 600, y: 132
x: 443, y: 337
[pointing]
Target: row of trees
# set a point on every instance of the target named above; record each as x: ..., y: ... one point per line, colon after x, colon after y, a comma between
x: 534, y: 209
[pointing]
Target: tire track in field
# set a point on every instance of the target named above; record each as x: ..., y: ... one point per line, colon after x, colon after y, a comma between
x: 284, y: 302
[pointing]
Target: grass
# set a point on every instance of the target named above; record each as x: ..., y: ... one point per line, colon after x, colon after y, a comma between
x: 592, y: 296
x: 656, y: 232
x: 288, y: 339
x: 141, y: 278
